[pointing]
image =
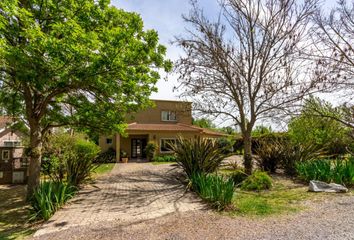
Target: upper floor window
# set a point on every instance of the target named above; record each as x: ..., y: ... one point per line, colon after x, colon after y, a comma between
x: 12, y: 143
x: 109, y: 140
x: 168, y: 116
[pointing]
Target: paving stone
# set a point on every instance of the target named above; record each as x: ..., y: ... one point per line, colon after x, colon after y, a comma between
x: 131, y: 193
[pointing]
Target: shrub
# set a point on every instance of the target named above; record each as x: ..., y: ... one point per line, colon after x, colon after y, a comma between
x: 213, y: 189
x: 314, y: 170
x: 80, y: 166
x: 150, y: 150
x: 270, y: 154
x: 257, y: 181
x: 238, y: 177
x: 326, y: 133
x: 69, y: 157
x: 296, y: 153
x: 106, y: 157
x: 198, y: 155
x: 165, y: 158
x: 49, y: 197
x: 226, y: 144
x: 339, y: 171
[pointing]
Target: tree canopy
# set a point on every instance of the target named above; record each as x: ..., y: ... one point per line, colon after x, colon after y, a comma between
x: 82, y: 63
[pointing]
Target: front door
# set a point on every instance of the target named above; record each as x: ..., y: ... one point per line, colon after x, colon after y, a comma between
x: 138, y: 147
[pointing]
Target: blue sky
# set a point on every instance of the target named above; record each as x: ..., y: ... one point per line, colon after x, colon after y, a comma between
x: 165, y: 17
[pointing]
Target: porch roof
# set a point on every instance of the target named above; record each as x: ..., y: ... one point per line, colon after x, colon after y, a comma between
x: 172, y: 127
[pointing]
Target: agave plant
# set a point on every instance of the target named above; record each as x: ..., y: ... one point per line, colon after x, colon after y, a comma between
x: 198, y: 155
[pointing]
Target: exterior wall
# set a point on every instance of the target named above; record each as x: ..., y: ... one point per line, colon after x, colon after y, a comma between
x: 12, y: 166
x: 153, y: 115
x: 103, y: 144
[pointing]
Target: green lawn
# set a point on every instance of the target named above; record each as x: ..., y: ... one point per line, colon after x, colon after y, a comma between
x: 284, y: 197
x: 14, y: 213
x: 159, y: 163
x: 103, y: 169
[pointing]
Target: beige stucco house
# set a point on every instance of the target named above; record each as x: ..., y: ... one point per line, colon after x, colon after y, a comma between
x: 160, y: 124
x: 13, y: 164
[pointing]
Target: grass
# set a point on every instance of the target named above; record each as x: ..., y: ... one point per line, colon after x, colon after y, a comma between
x: 285, y: 197
x: 159, y: 163
x: 103, y: 169
x: 14, y: 213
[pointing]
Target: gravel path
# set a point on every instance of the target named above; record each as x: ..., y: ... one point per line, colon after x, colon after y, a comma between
x: 330, y: 219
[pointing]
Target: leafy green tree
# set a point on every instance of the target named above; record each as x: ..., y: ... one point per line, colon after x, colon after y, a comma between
x: 204, y: 123
x: 261, y: 130
x: 311, y: 128
x: 81, y: 63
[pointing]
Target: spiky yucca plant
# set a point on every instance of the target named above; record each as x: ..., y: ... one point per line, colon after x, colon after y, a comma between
x: 198, y: 155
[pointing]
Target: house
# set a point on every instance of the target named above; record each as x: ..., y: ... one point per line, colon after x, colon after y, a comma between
x: 161, y: 124
x: 13, y: 166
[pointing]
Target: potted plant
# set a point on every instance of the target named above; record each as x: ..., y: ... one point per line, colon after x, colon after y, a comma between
x: 124, y: 156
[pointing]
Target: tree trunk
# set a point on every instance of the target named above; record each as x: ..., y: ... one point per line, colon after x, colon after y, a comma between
x: 247, y: 157
x: 35, y: 155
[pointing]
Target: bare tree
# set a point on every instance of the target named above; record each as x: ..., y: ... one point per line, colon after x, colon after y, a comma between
x: 333, y: 38
x: 245, y: 66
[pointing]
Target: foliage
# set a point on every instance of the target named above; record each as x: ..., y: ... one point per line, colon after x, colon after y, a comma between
x: 204, y: 123
x: 108, y: 156
x: 80, y: 166
x: 238, y: 177
x: 269, y: 155
x: 213, y: 188
x: 198, y: 155
x: 123, y: 154
x: 64, y: 63
x: 254, y: 74
x: 285, y: 197
x: 150, y: 150
x: 48, y: 197
x: 226, y: 144
x: 311, y: 128
x: 339, y: 171
x: 69, y: 157
x: 261, y: 130
x: 257, y: 181
x: 165, y: 158
x: 293, y: 154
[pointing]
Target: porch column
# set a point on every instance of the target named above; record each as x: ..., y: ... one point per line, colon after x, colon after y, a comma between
x: 117, y: 147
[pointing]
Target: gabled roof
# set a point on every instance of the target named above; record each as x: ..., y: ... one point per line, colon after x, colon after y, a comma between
x: 173, y: 127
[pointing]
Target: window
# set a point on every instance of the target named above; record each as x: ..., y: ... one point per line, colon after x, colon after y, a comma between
x: 12, y: 143
x: 5, y: 155
x: 165, y: 144
x: 168, y: 116
x: 109, y: 140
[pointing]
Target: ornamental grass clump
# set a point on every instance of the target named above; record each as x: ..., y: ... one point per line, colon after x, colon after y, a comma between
x: 339, y: 171
x: 48, y: 197
x: 214, y: 189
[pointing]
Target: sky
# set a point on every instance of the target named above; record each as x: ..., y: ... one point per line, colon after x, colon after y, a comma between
x: 165, y: 16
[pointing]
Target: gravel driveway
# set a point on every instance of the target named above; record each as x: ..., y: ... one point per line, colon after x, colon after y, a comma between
x: 142, y: 201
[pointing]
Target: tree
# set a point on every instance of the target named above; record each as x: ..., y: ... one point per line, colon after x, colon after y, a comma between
x: 245, y: 66
x: 311, y: 128
x: 204, y: 123
x: 74, y: 63
x: 333, y: 37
